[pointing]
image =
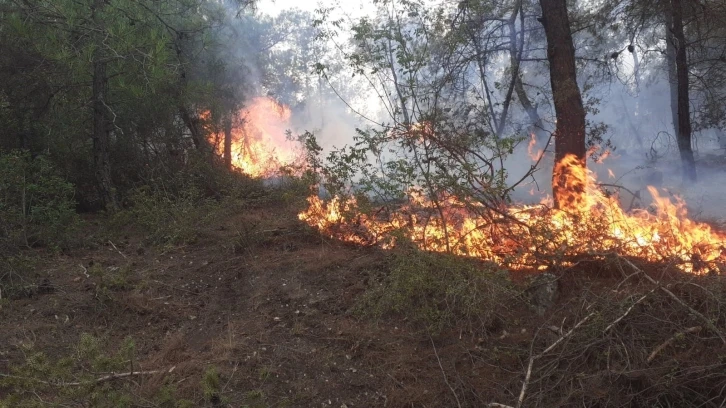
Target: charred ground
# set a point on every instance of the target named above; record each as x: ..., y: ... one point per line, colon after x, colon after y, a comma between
x: 259, y: 310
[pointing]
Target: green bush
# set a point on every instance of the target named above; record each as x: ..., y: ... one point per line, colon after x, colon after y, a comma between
x: 441, y: 291
x: 36, y: 203
x: 166, y: 218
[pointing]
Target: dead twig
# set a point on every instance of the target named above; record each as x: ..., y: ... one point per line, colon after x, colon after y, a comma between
x: 85, y: 271
x: 665, y: 290
x: 174, y: 287
x: 668, y: 342
x: 532, y: 359
x: 117, y: 250
x: 234, y: 370
x: 565, y: 336
x: 446, y: 380
x: 627, y: 312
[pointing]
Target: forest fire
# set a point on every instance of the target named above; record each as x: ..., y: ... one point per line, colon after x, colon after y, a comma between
x: 588, y: 223
x: 259, y: 141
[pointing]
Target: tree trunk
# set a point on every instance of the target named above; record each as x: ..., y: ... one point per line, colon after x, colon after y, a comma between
x: 636, y: 77
x: 535, y: 120
x: 192, y: 123
x: 570, y: 131
x: 228, y: 141
x: 101, y: 127
x: 683, y: 132
x: 672, y: 77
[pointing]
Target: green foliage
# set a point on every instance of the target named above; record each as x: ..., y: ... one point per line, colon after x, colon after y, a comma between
x: 441, y: 291
x: 166, y: 218
x: 151, y: 52
x: 69, y: 377
x: 170, y: 206
x: 110, y: 279
x: 211, y: 384
x: 36, y: 203
x: 444, y: 137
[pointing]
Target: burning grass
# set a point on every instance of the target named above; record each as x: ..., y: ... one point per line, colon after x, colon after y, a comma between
x: 588, y: 222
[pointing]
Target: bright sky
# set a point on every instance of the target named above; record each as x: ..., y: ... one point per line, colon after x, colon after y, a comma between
x: 274, y: 7
x: 353, y: 7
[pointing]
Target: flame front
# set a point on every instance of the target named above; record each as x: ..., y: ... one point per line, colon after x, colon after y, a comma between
x: 588, y: 223
x: 259, y: 144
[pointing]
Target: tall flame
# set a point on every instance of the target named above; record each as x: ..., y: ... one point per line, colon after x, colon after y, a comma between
x: 259, y: 144
x: 588, y: 222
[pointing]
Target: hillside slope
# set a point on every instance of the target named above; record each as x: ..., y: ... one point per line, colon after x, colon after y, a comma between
x: 261, y: 311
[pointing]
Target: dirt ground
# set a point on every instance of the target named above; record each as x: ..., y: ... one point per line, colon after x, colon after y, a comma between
x: 271, y: 308
x: 272, y: 317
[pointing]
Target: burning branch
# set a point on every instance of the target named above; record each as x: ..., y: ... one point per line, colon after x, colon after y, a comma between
x: 588, y: 222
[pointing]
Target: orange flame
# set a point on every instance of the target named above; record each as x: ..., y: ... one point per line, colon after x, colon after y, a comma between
x: 534, y: 154
x: 259, y: 144
x: 589, y: 222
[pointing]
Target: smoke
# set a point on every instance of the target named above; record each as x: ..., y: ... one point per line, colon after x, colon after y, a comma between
x: 639, y: 126
x: 275, y: 57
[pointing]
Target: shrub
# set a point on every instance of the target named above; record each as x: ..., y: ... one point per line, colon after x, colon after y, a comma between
x: 36, y: 203
x: 441, y: 291
x: 165, y: 217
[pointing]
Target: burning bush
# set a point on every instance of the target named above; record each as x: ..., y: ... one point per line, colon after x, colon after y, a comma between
x: 588, y: 223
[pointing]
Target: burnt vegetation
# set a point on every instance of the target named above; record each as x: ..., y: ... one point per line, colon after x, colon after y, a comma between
x: 200, y: 206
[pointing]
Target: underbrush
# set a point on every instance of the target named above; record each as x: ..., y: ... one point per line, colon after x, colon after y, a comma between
x: 36, y: 211
x: 36, y: 203
x: 618, y: 335
x: 172, y: 210
x: 442, y: 292
x: 634, y: 342
x: 165, y: 218
x: 89, y: 375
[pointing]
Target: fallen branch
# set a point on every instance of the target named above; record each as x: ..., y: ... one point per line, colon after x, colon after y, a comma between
x: 99, y: 380
x: 532, y: 359
x: 627, y: 312
x: 665, y: 290
x: 117, y: 250
x: 446, y: 380
x: 668, y: 342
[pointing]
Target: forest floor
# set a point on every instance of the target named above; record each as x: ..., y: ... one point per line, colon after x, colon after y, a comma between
x: 262, y: 311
